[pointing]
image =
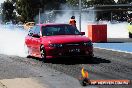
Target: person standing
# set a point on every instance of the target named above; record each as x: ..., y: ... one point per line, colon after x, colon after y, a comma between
x: 72, y: 21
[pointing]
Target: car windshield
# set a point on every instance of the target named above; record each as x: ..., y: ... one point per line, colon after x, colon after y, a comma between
x: 51, y: 30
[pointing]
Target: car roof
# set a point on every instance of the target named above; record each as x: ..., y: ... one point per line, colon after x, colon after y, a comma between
x: 51, y: 24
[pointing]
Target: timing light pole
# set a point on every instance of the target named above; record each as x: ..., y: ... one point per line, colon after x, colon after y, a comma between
x: 80, y: 10
x: 39, y: 19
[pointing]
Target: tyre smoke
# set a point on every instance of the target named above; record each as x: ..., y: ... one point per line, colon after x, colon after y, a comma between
x: 12, y: 40
x: 118, y: 30
x: 115, y: 29
x: 12, y: 37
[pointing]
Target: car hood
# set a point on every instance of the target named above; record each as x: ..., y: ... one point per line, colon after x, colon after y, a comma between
x: 66, y: 39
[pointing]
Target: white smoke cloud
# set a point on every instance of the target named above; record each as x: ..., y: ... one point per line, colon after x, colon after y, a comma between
x: 118, y: 30
x: 66, y: 13
x: 12, y: 40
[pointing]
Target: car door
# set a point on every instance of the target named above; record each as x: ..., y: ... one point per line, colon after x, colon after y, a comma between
x: 36, y: 41
x: 28, y: 40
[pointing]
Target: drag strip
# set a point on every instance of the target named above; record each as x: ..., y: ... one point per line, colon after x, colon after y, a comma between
x: 105, y: 65
x: 65, y: 72
x: 103, y: 61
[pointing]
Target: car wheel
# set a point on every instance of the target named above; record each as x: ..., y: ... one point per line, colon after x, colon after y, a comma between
x: 43, y: 53
x: 27, y: 51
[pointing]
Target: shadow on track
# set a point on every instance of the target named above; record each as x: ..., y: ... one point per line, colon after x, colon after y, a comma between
x: 73, y: 61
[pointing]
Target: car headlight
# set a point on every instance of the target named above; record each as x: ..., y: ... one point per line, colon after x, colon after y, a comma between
x: 89, y: 43
x: 55, y: 45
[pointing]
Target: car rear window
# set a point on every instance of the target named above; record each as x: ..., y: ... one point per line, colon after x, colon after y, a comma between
x: 51, y: 30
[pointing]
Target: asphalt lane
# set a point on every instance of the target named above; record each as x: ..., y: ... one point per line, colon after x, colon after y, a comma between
x: 105, y: 65
x: 65, y: 72
x: 14, y: 68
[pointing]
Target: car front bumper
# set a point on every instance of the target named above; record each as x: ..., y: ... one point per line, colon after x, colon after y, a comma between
x: 69, y: 52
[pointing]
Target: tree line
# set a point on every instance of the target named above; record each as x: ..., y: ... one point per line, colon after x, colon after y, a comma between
x: 26, y: 10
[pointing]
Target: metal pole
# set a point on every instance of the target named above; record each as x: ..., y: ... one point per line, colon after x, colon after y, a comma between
x: 39, y: 15
x: 80, y: 10
x: 111, y: 16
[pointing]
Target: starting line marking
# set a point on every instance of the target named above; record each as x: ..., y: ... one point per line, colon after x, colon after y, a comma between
x: 114, y: 50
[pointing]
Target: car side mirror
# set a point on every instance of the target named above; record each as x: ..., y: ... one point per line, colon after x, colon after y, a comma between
x: 36, y: 35
x: 82, y: 33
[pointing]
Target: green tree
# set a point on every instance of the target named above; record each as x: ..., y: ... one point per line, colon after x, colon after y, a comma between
x: 75, y: 3
x: 25, y: 9
x: 124, y: 1
x: 87, y: 3
x: 102, y: 2
x: 28, y: 9
x: 7, y: 12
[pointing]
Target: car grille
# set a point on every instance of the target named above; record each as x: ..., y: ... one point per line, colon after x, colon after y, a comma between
x: 73, y: 49
x: 72, y: 44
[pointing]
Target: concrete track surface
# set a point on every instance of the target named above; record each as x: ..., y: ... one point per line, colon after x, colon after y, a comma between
x: 19, y: 72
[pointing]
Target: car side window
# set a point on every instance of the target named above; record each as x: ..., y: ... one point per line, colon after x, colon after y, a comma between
x: 49, y: 31
x: 31, y: 31
x: 37, y: 30
x: 34, y: 30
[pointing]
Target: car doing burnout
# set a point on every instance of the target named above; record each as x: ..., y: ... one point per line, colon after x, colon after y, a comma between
x: 57, y: 40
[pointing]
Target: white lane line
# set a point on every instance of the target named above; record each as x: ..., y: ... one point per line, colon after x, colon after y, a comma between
x: 114, y: 50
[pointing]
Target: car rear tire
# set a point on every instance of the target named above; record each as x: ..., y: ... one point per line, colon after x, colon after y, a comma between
x: 43, y: 53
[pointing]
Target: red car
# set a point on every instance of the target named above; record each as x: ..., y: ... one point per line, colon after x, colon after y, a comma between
x: 57, y: 40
